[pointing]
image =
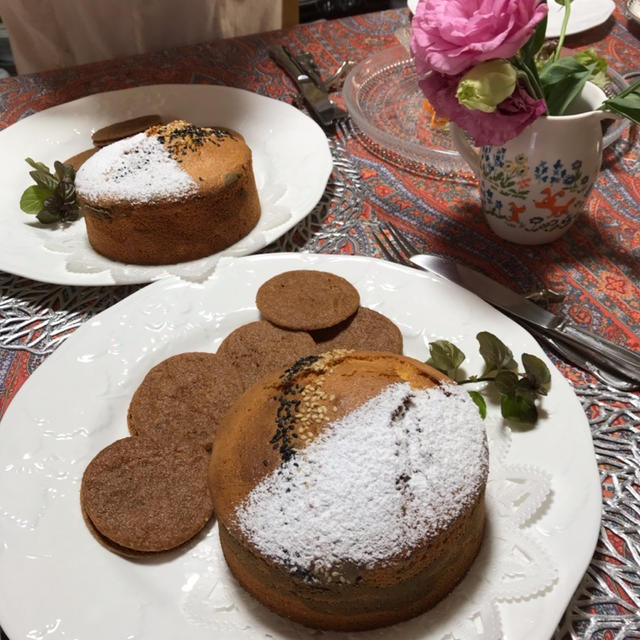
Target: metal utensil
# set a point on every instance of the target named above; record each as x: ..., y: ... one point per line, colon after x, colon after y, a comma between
x: 395, y: 248
x: 334, y: 81
x: 603, y: 352
x: 583, y: 361
x: 324, y: 111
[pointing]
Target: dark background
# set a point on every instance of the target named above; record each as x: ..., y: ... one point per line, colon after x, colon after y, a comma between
x: 316, y: 9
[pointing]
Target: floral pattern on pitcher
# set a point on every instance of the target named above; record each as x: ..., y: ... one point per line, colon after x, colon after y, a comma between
x: 556, y: 190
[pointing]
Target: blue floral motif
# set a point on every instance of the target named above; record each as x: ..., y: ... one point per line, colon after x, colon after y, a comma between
x: 540, y: 172
x: 571, y: 179
x: 494, y: 160
x: 507, y: 183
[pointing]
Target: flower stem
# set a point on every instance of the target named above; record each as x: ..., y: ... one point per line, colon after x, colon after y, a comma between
x: 479, y: 379
x: 563, y: 29
x: 531, y: 80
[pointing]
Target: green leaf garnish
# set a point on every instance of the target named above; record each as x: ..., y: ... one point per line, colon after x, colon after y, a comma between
x: 537, y: 373
x: 518, y: 408
x: 38, y: 166
x: 445, y: 357
x: 495, y: 353
x: 53, y: 197
x: 476, y: 396
x: 518, y: 391
x: 506, y: 381
x: 32, y: 200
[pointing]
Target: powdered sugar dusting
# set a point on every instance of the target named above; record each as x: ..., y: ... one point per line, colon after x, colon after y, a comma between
x: 375, y: 484
x: 137, y: 169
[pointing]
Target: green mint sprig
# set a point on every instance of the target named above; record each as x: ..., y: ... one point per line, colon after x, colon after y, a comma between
x: 560, y: 79
x: 519, y: 391
x: 53, y: 197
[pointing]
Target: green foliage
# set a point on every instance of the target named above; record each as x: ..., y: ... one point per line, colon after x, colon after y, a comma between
x: 518, y: 391
x: 445, y: 357
x: 599, y: 75
x: 53, y: 196
x: 559, y: 80
x: 562, y: 81
x: 626, y: 103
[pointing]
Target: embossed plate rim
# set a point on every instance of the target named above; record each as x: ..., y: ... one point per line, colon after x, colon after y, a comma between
x: 292, y: 163
x: 75, y: 404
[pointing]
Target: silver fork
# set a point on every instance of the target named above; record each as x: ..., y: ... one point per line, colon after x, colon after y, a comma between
x: 394, y: 247
x: 397, y: 248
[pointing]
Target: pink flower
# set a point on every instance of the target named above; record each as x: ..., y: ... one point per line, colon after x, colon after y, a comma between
x: 511, y: 117
x: 449, y: 36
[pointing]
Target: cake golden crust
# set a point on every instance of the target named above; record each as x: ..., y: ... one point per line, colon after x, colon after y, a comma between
x: 197, y: 199
x: 260, y: 445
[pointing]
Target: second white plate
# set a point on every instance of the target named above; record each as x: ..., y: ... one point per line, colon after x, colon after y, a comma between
x: 291, y: 158
x: 57, y: 582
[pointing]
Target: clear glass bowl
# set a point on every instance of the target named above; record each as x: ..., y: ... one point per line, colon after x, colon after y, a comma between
x: 385, y: 102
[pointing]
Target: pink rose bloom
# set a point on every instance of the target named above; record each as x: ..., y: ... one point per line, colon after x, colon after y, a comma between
x: 511, y: 116
x: 449, y: 36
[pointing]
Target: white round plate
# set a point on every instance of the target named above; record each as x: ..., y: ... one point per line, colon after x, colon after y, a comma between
x: 585, y: 14
x: 57, y: 582
x: 291, y: 158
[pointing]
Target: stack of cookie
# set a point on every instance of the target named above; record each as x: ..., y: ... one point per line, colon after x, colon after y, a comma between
x: 148, y: 493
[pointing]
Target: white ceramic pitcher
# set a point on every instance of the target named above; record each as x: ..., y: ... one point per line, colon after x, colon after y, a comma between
x: 534, y: 186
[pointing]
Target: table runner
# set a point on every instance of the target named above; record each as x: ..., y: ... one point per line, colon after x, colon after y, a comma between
x: 595, y: 263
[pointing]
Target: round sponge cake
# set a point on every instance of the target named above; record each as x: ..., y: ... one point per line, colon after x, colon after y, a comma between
x: 172, y: 193
x: 349, y: 489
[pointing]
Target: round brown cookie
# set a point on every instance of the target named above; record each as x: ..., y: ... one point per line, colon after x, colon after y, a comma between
x: 184, y: 398
x: 124, y: 129
x: 77, y: 160
x: 109, y: 544
x: 258, y: 348
x: 366, y: 330
x: 307, y: 300
x: 145, y: 496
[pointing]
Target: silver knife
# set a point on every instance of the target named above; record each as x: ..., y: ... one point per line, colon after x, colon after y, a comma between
x: 318, y: 100
x: 583, y: 360
x: 604, y: 352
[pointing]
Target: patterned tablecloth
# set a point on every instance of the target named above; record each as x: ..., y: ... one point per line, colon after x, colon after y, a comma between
x: 595, y: 263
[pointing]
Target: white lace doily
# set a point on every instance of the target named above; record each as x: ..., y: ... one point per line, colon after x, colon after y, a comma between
x: 512, y: 565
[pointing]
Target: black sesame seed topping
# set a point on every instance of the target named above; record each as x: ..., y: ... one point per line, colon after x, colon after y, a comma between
x: 180, y: 139
x: 282, y: 439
